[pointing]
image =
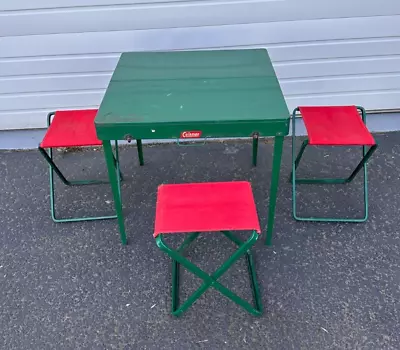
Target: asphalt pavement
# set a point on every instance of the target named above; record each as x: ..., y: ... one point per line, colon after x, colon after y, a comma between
x: 74, y: 286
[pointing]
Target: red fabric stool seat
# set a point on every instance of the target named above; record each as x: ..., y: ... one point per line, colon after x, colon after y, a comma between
x: 335, y: 126
x: 204, y: 207
x: 72, y: 129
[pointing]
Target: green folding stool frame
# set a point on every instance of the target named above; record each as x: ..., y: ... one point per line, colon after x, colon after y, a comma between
x: 72, y: 129
x: 204, y: 207
x: 179, y: 142
x: 333, y: 126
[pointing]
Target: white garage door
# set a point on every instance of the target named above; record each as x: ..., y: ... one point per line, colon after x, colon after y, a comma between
x: 60, y: 54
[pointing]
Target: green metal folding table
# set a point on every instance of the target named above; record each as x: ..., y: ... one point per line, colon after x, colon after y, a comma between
x: 208, y: 94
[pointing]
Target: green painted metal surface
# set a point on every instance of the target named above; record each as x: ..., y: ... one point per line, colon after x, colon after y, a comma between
x: 273, y: 192
x: 220, y: 93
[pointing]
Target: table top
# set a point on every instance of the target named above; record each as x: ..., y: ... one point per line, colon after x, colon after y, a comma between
x: 195, y: 87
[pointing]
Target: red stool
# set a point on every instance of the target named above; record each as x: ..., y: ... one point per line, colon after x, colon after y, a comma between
x: 72, y: 129
x: 205, y: 207
x: 333, y: 126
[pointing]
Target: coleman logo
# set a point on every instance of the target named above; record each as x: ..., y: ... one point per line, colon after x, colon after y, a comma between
x: 190, y: 134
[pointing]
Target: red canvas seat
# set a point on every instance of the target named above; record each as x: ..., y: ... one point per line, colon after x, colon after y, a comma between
x: 72, y: 129
x: 203, y: 207
x: 335, y: 126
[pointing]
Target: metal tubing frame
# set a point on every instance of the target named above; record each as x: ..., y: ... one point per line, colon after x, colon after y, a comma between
x: 276, y: 167
x: 361, y: 165
x: 48, y: 156
x: 212, y: 280
x: 273, y: 193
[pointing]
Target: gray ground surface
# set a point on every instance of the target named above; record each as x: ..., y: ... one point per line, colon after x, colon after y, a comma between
x: 74, y: 286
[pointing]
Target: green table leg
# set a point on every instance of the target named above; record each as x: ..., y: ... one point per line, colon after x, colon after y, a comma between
x: 140, y: 151
x: 255, y: 149
x: 114, y: 186
x: 276, y: 167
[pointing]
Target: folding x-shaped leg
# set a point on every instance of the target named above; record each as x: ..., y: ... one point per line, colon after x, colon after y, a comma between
x: 212, y: 280
x: 48, y: 155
